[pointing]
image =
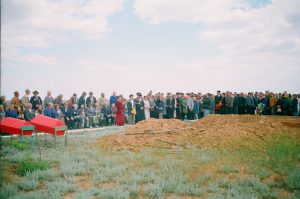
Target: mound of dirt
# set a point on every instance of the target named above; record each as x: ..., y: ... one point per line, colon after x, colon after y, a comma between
x: 220, y: 131
x: 153, y: 125
x: 242, y: 130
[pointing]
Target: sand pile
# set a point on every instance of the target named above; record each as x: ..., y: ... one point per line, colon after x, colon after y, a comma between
x: 153, y: 125
x: 146, y: 133
x: 213, y: 131
x: 241, y: 130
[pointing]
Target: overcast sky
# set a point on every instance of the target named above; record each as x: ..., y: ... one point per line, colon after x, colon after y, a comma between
x: 140, y: 45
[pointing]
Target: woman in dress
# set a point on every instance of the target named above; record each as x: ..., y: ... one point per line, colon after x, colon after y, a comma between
x: 147, y: 108
x: 120, y: 118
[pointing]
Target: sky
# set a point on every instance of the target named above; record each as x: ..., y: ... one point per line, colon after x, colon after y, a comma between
x: 130, y: 46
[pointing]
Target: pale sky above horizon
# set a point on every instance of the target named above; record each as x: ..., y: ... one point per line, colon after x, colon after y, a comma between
x: 70, y: 46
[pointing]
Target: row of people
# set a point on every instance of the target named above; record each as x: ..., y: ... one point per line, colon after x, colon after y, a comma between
x: 182, y: 106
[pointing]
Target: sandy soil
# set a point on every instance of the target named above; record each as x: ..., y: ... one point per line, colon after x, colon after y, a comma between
x: 220, y: 131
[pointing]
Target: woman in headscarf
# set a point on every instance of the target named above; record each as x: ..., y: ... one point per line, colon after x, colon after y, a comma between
x: 120, y: 117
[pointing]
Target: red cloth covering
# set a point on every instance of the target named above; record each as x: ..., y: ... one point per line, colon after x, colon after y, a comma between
x: 120, y: 118
x: 47, y: 124
x: 13, y: 126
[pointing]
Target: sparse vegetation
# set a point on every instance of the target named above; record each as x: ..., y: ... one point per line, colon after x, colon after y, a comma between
x: 31, y: 165
x: 151, y: 172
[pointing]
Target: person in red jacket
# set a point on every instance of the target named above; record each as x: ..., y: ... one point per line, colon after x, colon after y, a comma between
x: 120, y: 117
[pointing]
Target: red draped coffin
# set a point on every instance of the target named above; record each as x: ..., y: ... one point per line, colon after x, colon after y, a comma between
x: 47, y: 124
x: 14, y: 126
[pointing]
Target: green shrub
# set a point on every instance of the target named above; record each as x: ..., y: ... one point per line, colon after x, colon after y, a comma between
x: 31, y: 165
x: 283, y: 154
x: 18, y: 145
x: 293, y: 181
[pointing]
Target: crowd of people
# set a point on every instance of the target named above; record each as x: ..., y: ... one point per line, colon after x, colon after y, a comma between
x: 88, y: 111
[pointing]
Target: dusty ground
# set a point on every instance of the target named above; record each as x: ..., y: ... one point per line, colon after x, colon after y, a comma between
x: 220, y: 131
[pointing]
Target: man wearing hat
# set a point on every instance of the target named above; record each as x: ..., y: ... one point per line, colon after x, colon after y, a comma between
x: 25, y: 99
x: 35, y: 100
x: 139, y: 105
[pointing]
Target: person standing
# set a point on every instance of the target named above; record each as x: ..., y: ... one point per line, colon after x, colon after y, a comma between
x: 206, y: 105
x: 147, y: 108
x: 218, y: 98
x: 170, y: 105
x: 235, y: 103
x: 25, y: 99
x: 139, y: 104
x: 81, y: 100
x: 113, y: 99
x: 73, y: 100
x: 160, y: 107
x: 212, y: 104
x: 294, y: 105
x: 91, y: 113
x: 15, y: 100
x: 101, y: 100
x: 249, y: 104
x: 131, y: 110
x: 91, y: 100
x: 272, y: 104
x: 241, y: 104
x: 35, y: 100
x: 196, y: 108
x: 184, y: 107
x: 229, y: 101
x: 120, y: 114
x: 59, y: 101
x: 48, y: 99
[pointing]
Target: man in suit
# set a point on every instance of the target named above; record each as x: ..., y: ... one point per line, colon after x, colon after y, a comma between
x: 170, y: 106
x: 29, y: 113
x: 130, y: 108
x: 91, y: 100
x: 107, y: 114
x: 139, y: 105
x: 68, y: 116
x: 25, y: 99
x: 50, y: 111
x: 81, y: 100
x: 48, y: 99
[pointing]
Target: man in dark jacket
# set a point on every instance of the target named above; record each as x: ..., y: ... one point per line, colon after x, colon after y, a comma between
x: 81, y: 100
x: 294, y: 105
x: 139, y: 105
x: 170, y: 106
x: 241, y: 104
x: 68, y: 116
x: 218, y: 98
x: 91, y: 100
x: 35, y: 100
x: 29, y: 113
